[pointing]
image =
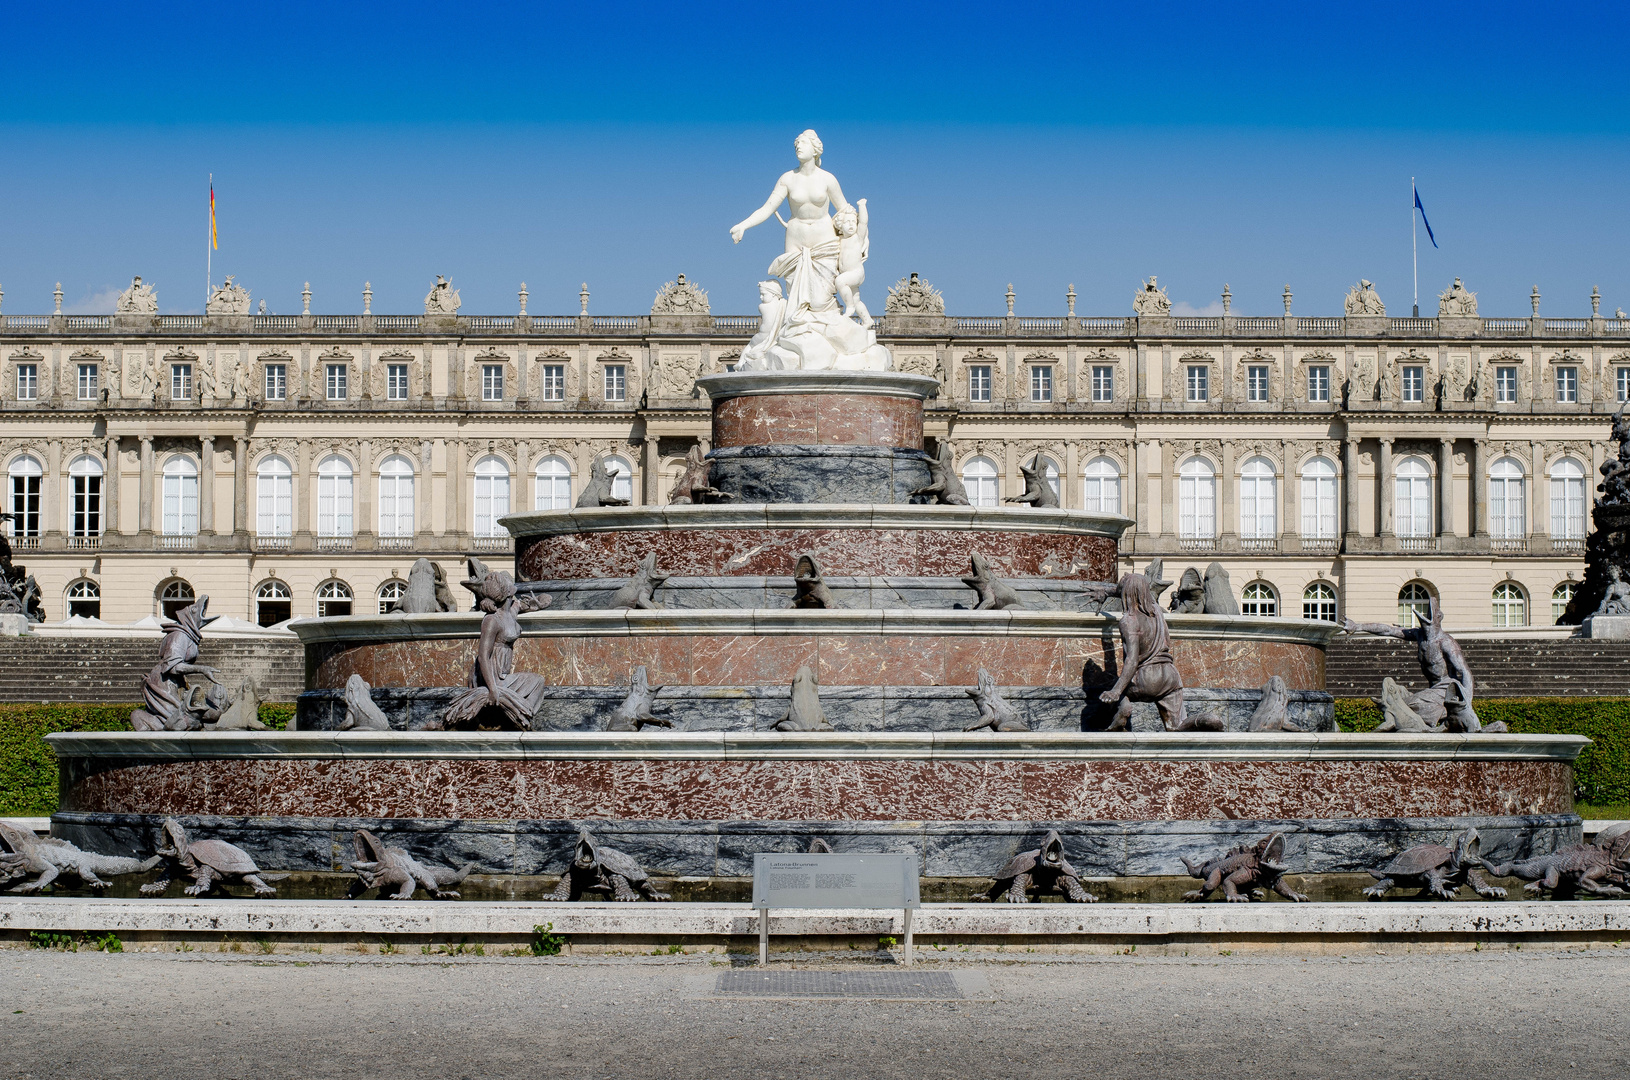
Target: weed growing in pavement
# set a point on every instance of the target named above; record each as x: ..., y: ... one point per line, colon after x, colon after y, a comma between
x: 545, y: 942
x: 386, y: 948
x: 108, y: 942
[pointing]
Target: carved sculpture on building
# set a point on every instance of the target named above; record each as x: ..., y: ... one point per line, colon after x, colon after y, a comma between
x: 638, y: 591
x: 210, y: 864
x: 442, y: 299
x: 1362, y: 384
x: 636, y: 710
x: 676, y: 376
x: 1255, y: 868
x: 597, y: 492
x: 695, y: 483
x: 1044, y: 870
x: 597, y: 868
x: 914, y: 296
x: 139, y: 299
x: 812, y: 591
x: 804, y: 707
x: 945, y: 484
x: 227, y: 299
x: 497, y: 692
x: 165, y: 695
x: 1436, y: 869
x: 1362, y: 300
x: 1037, y: 491
x: 382, y: 867
x: 48, y: 858
x: 994, y: 711
x: 1457, y: 302
x: 1148, y: 672
x: 994, y: 593
x: 680, y: 297
x: 361, y: 714
x: 1151, y: 300
x: 1450, y: 686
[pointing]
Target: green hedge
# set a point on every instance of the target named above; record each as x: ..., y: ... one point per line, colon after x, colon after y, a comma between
x: 1602, y: 773
x: 28, y: 768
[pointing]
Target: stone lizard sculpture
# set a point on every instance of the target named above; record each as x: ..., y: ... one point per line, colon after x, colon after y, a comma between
x: 1190, y: 596
x: 361, y: 714
x: 210, y: 864
x: 804, y: 711
x: 1436, y: 870
x: 695, y: 483
x: 635, y: 711
x: 994, y: 712
x: 595, y: 868
x: 812, y: 590
x: 380, y: 867
x: 637, y: 593
x: 1597, y: 869
x: 50, y: 858
x: 597, y: 492
x: 1044, y: 870
x: 1037, y: 491
x: 1273, y: 711
x: 1253, y: 867
x: 945, y: 485
x: 1397, y: 713
x: 994, y: 593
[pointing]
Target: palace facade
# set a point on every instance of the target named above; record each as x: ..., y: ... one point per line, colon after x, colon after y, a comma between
x: 298, y: 465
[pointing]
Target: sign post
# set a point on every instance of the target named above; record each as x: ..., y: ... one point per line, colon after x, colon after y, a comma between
x: 875, y: 881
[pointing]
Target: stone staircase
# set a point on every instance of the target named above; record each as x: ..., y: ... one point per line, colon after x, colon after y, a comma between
x: 1569, y: 667
x: 104, y: 669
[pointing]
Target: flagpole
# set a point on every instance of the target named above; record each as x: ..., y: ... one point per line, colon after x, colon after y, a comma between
x: 1414, y: 253
x: 209, y: 246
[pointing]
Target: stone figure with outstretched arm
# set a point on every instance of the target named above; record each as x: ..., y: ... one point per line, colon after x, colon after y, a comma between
x: 1442, y: 663
x: 1148, y: 672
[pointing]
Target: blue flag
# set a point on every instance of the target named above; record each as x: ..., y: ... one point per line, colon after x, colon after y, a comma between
x: 1428, y: 224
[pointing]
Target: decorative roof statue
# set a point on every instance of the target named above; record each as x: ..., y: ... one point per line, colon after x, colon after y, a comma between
x: 1363, y: 300
x: 914, y: 296
x: 442, y: 299
x: 229, y: 299
x: 1151, y: 299
x: 1457, y: 301
x: 139, y: 299
x: 680, y: 297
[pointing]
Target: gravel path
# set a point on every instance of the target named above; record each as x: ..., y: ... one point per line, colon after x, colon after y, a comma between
x: 1529, y: 1014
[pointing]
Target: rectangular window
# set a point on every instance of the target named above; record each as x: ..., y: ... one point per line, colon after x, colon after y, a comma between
x: 1414, y: 384
x: 180, y: 382
x: 1256, y: 383
x: 25, y: 499
x: 1622, y: 375
x: 277, y: 382
x: 87, y: 382
x: 1318, y: 384
x: 492, y: 382
x: 1103, y: 383
x: 336, y: 382
x: 554, y: 382
x: 396, y: 382
x: 1041, y: 382
x: 1567, y: 385
x: 28, y: 382
x: 1199, y: 383
x: 616, y: 382
x: 87, y: 506
x: 979, y: 383
x: 1505, y: 385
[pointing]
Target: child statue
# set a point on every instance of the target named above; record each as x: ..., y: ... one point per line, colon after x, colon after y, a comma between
x: 854, y: 243
x: 772, y: 311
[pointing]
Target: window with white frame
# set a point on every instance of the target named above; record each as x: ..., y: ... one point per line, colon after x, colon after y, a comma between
x: 274, y: 603
x: 1510, y: 605
x: 1414, y: 383
x: 1414, y: 605
x: 1041, y: 382
x: 1319, y: 499
x: 27, y: 476
x: 1561, y: 597
x: 553, y: 484
x: 274, y: 498
x: 175, y: 595
x: 28, y: 382
x: 1508, y: 517
x: 1567, y: 385
x: 979, y: 382
x: 1103, y: 382
x: 337, y: 382
x: 87, y: 382
x: 1197, y: 500
x: 616, y: 382
x: 492, y: 382
x: 979, y: 481
x: 554, y: 382
x: 390, y: 594
x: 1256, y: 382
x: 1199, y: 382
x: 1258, y: 500
x: 180, y: 497
x: 491, y: 496
x: 622, y: 478
x: 1318, y: 383
x: 1258, y: 598
x: 277, y: 382
x: 1412, y: 498
x: 1621, y: 380
x: 85, y: 476
x: 1319, y: 602
x: 396, y: 382
x: 85, y: 599
x: 1567, y: 500
x: 396, y: 496
x: 333, y: 599
x: 1102, y: 486
x: 180, y: 382
x: 1505, y: 385
x: 335, y: 508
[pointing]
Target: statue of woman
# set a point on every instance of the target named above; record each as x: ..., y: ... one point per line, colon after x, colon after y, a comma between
x: 493, y: 681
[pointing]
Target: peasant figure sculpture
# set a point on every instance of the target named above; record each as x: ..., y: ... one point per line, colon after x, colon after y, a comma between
x: 498, y: 695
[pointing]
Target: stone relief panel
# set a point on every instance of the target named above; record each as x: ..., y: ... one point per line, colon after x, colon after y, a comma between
x: 1459, y: 384
x: 919, y: 363
x: 913, y: 296
x: 675, y: 376
x: 680, y: 297
x: 1363, y: 383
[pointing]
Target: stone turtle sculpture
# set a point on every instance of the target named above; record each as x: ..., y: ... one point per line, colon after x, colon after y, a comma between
x: 1397, y: 713
x: 812, y: 591
x: 635, y: 711
x: 381, y: 867
x: 637, y: 593
x: 361, y: 714
x: 48, y: 859
x: 1037, y: 491
x: 210, y: 864
x: 1436, y: 870
x: 596, y: 868
x: 994, y: 593
x: 804, y: 711
x: 1597, y: 869
x: 1255, y: 868
x: 994, y: 712
x: 945, y: 485
x: 1044, y: 870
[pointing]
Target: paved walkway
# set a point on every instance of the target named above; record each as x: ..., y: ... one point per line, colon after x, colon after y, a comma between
x: 1486, y: 1015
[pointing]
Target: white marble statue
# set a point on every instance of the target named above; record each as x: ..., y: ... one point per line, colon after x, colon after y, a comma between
x: 1457, y: 301
x: 812, y: 331
x: 442, y: 299
x: 139, y: 299
x: 229, y: 299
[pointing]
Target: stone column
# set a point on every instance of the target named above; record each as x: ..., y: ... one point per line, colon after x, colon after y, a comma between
x: 144, y: 512
x: 206, y: 485
x: 1227, y: 489
x: 524, y: 497
x: 363, y: 523
x: 240, y: 484
x: 302, y: 488
x: 1349, y: 483
x: 50, y: 491
x: 1446, y: 487
x: 1134, y: 501
x: 110, y: 489
x: 653, y: 472
x: 459, y: 512
x: 1072, y: 466
x: 1383, y: 485
x: 421, y: 491
x: 1168, y: 489
x: 1539, y: 518
x: 1480, y: 489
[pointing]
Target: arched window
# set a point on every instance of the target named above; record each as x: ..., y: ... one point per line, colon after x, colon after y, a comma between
x: 334, y: 498
x: 1197, y: 500
x: 1103, y: 486
x: 1319, y: 499
x: 1049, y: 472
x: 1507, y: 517
x: 274, y: 498
x: 1258, y: 598
x: 26, y: 479
x: 622, y: 478
x: 390, y: 593
x: 174, y: 596
x: 274, y: 603
x: 1561, y: 597
x: 333, y: 598
x: 1510, y: 605
x: 85, y: 599
x: 1567, y: 500
x: 1414, y: 602
x: 554, y: 484
x: 1258, y: 500
x: 491, y: 496
x: 180, y: 497
x: 85, y: 474
x: 1412, y: 506
x: 396, y: 496
x: 1319, y: 602
x: 979, y: 480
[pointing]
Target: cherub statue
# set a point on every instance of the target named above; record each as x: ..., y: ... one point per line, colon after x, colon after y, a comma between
x: 772, y: 311
x: 854, y: 243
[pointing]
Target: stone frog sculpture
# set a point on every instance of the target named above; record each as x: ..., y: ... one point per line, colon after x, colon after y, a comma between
x: 640, y: 589
x: 994, y: 712
x: 1597, y: 869
x: 993, y: 592
x: 1190, y: 595
x: 597, y: 492
x: 596, y: 868
x: 164, y: 691
x: 496, y: 690
x: 804, y: 711
x: 48, y: 860
x: 945, y: 486
x: 695, y: 484
x: 210, y: 864
x: 635, y: 712
x: 361, y: 714
x: 1219, y: 592
x: 1037, y: 491
x: 1044, y: 870
x: 1253, y: 867
x: 381, y: 867
x: 1148, y: 672
x: 1436, y: 869
x: 1273, y: 710
x: 812, y: 589
x: 427, y: 590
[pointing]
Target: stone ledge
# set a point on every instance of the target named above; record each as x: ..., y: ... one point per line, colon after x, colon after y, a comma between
x: 813, y: 516
x: 864, y: 383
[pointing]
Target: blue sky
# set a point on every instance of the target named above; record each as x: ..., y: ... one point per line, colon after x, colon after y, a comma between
x: 1034, y: 143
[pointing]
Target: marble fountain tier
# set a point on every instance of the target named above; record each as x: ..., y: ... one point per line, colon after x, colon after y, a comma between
x: 822, y: 464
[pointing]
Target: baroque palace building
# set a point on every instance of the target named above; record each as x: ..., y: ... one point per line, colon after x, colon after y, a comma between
x: 293, y: 465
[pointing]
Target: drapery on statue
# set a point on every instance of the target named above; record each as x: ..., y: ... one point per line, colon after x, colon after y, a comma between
x: 493, y: 682
x: 164, y: 692
x: 1148, y: 672
x: 1448, y: 698
x: 809, y: 330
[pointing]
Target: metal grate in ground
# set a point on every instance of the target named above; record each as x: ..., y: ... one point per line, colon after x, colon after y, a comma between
x: 839, y: 984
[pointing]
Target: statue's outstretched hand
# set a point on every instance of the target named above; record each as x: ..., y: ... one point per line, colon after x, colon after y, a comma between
x: 736, y: 232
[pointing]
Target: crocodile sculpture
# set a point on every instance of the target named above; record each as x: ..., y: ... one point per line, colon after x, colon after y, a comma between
x: 378, y: 866
x: 1597, y: 869
x: 50, y: 858
x: 1255, y: 868
x: 1045, y: 870
x: 595, y: 868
